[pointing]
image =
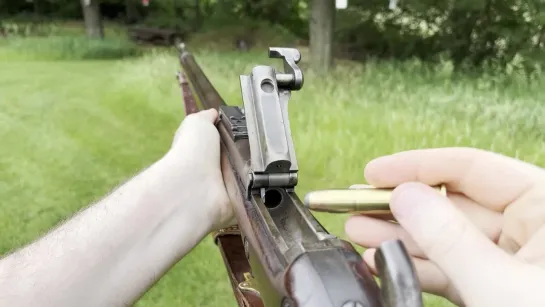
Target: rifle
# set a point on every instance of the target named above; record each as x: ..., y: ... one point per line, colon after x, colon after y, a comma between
x: 279, y: 254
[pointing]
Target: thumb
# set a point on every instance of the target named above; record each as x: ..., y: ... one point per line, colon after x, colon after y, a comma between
x: 464, y: 254
x: 209, y: 116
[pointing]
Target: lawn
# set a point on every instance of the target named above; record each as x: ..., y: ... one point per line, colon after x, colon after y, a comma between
x: 73, y: 130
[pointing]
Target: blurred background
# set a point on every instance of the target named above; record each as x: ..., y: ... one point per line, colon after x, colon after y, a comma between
x: 88, y: 96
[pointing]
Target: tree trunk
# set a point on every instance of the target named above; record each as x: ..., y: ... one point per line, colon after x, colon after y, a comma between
x: 131, y: 12
x: 321, y: 34
x: 39, y: 8
x: 93, y: 21
x: 198, y: 15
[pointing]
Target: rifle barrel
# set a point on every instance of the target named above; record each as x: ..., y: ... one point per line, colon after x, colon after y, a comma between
x: 207, y: 95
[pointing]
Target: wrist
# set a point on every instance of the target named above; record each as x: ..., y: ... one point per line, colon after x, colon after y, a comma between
x: 191, y: 192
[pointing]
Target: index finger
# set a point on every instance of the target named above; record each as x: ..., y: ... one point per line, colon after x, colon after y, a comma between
x: 491, y: 179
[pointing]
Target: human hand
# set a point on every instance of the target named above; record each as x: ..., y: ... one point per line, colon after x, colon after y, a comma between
x: 136, y: 233
x: 484, y: 245
x: 197, y: 144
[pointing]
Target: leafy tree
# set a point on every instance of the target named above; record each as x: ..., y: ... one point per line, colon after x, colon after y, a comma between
x: 505, y: 34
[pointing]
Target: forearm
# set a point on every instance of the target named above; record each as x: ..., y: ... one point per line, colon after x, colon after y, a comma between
x: 111, y: 253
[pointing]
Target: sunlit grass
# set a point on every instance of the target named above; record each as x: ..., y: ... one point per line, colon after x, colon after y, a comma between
x: 66, y: 48
x: 72, y: 131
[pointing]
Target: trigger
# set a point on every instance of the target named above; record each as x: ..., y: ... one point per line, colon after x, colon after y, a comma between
x: 399, y: 284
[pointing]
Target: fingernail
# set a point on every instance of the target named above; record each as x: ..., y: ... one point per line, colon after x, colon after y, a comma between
x: 371, y: 164
x: 210, y: 114
x: 378, y: 160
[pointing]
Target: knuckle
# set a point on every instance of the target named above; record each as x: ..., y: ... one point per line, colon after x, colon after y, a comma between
x: 191, y: 118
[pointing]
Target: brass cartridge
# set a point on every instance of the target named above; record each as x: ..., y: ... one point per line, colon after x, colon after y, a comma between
x: 367, y: 200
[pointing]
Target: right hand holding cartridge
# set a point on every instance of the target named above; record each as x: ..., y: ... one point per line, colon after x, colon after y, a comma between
x: 483, y: 244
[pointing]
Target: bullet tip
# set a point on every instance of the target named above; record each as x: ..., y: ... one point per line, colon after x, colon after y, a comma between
x: 306, y: 200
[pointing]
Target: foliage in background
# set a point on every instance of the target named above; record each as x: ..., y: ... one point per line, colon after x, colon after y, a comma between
x: 505, y: 35
x: 497, y: 34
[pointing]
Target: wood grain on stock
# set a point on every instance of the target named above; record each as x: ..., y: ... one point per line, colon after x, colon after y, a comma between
x: 189, y: 101
x: 231, y: 246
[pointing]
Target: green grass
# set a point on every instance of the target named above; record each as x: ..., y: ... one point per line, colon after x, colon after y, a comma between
x: 73, y: 130
x: 66, y: 48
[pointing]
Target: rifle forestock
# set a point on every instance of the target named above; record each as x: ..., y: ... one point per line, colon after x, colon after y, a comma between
x: 289, y: 257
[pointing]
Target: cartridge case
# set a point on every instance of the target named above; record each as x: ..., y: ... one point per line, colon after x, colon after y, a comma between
x: 366, y: 200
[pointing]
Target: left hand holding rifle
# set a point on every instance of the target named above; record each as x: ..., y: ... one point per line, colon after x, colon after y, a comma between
x: 197, y: 142
x: 112, y: 252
